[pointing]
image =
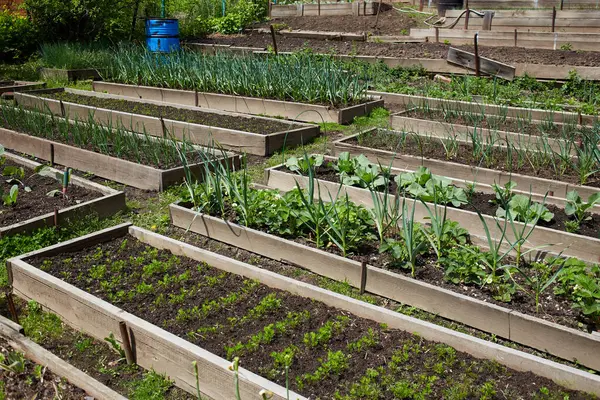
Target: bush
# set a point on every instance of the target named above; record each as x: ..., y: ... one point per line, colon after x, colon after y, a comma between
x: 81, y: 20
x: 17, y: 37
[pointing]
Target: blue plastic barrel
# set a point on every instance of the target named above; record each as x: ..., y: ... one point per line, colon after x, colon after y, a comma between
x: 162, y: 34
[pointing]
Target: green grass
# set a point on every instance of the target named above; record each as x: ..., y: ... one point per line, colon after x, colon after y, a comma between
x: 152, y: 386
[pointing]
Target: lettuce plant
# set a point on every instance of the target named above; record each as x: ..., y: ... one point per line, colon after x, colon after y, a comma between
x: 425, y: 186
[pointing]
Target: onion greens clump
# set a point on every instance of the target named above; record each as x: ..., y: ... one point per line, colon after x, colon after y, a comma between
x: 299, y: 77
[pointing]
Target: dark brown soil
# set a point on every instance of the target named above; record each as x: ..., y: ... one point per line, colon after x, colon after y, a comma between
x: 412, y: 50
x: 432, y: 148
x: 391, y: 22
x: 33, y: 382
x: 480, y: 121
x: 216, y: 310
x: 247, y: 124
x: 36, y: 202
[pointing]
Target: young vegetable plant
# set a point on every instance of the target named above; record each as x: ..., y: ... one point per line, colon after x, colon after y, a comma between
x: 10, y: 199
x: 304, y: 164
x: 521, y: 208
x: 579, y: 209
x: 359, y: 171
x: 425, y: 186
x: 537, y: 279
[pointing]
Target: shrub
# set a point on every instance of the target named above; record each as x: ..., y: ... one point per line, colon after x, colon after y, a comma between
x: 17, y: 37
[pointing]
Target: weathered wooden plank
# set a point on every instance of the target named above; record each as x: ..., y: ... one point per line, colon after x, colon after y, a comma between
x: 58, y: 366
x: 486, y: 65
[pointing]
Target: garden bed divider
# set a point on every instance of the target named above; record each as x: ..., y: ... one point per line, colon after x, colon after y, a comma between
x: 531, y: 331
x: 567, y: 244
x: 58, y: 366
x: 88, y: 313
x: 109, y: 204
x: 487, y: 109
x: 70, y: 75
x: 240, y: 104
x: 440, y: 129
x: 241, y: 141
x: 355, y: 8
x: 107, y: 167
x: 154, y: 348
x: 461, y: 172
x: 20, y: 86
x: 317, y: 35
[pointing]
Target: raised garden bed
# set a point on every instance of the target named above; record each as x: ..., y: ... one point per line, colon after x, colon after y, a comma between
x: 33, y: 197
x: 37, y: 373
x: 144, y: 175
x: 250, y: 134
x: 404, y: 151
x: 19, y: 86
x: 529, y: 134
x: 70, y: 75
x: 247, y: 105
x: 332, y: 358
x: 486, y: 109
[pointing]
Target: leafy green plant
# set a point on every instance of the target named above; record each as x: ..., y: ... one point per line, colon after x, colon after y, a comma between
x: 359, y: 171
x: 10, y: 199
x: 13, y: 362
x: 521, y: 208
x: 304, y: 164
x: 537, y: 279
x: 503, y: 193
x: 335, y: 364
x: 17, y: 37
x: 579, y: 209
x: 425, y: 186
x: 115, y: 345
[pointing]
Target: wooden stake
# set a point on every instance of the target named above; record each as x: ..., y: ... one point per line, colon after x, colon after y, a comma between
x: 515, y: 38
x: 11, y: 306
x: 377, y: 17
x: 56, y: 217
x: 319, y: 7
x: 52, y: 154
x: 126, y: 343
x: 562, y: 3
x: 363, y: 277
x: 476, y: 54
x: 421, y: 5
x: 274, y: 40
x: 553, y: 18
x: 467, y: 18
x: 437, y: 34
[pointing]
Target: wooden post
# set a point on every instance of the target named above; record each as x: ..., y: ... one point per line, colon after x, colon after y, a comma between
x: 363, y: 277
x: 55, y: 217
x: 319, y: 7
x: 553, y: 18
x: 52, y: 154
x: 467, y: 18
x: 562, y: 3
x: 11, y: 306
x: 274, y: 40
x: 126, y: 343
x: 377, y: 17
x: 421, y: 5
x: 476, y: 54
x: 437, y: 34
x: 515, y: 37
x: 270, y: 7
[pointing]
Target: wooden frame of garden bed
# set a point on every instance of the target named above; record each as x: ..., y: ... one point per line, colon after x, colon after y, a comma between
x: 109, y: 204
x: 12, y: 333
x: 521, y: 328
x: 571, y: 245
x: 108, y: 167
x: 318, y: 35
x: 166, y: 353
x: 460, y: 172
x: 239, y: 104
x: 70, y: 75
x: 20, y: 86
x: 241, y: 141
x: 153, y: 347
x: 356, y: 8
x: 532, y: 40
x: 487, y: 109
x: 440, y: 129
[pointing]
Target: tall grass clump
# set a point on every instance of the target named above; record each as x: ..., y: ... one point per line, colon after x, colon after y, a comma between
x: 298, y: 77
x: 74, y: 55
